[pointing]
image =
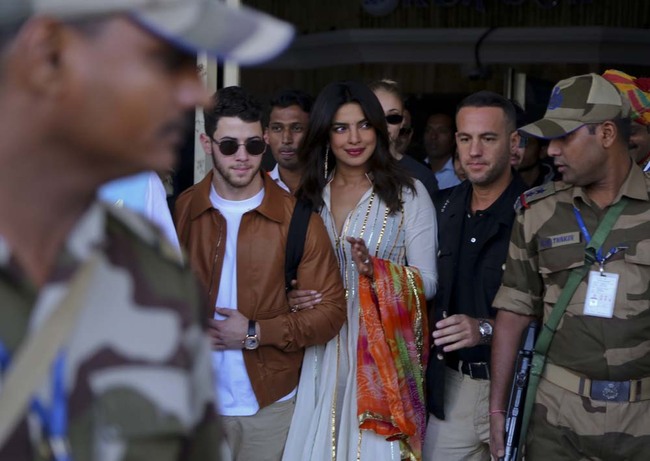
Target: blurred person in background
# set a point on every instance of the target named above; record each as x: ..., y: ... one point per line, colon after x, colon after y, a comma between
x: 391, y: 100
x: 637, y: 92
x: 287, y: 122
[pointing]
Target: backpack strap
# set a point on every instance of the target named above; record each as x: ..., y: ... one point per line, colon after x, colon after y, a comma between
x: 296, y: 241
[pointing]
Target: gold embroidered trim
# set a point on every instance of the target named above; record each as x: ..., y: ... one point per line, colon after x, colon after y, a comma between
x: 365, y: 218
x: 382, y: 231
x: 333, y: 410
x: 359, y: 446
x: 418, y: 327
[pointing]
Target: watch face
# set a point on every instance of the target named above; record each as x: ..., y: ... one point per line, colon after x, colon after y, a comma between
x: 486, y: 328
x: 251, y: 342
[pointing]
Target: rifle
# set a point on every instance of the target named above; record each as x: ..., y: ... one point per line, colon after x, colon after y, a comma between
x: 515, y: 414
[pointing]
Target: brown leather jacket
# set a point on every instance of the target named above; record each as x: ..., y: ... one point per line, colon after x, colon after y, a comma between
x: 274, y: 368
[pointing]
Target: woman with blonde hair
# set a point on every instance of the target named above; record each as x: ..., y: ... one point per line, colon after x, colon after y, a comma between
x: 392, y: 102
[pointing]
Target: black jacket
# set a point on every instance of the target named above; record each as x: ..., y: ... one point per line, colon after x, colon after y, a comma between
x: 451, y: 207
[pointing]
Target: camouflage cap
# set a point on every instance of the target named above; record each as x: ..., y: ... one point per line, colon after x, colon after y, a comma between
x: 241, y: 34
x: 578, y: 101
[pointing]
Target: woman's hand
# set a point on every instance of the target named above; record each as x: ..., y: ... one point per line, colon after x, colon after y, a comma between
x: 361, y: 256
x: 302, y: 299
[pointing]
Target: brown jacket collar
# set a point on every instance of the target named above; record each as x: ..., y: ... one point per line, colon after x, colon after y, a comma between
x: 271, y: 206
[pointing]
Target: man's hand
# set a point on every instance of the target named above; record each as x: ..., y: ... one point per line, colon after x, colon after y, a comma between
x: 302, y: 299
x: 497, y: 434
x: 230, y: 332
x: 456, y: 332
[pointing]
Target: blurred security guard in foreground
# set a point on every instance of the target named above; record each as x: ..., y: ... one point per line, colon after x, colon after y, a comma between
x: 475, y: 219
x: 593, y: 399
x: 102, y: 350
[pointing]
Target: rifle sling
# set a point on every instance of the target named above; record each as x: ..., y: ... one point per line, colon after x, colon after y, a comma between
x: 548, y: 330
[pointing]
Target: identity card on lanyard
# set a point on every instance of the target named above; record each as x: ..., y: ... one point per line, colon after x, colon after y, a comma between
x: 601, y: 294
x: 602, y: 286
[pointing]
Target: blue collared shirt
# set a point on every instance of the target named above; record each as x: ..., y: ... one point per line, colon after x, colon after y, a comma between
x: 446, y: 176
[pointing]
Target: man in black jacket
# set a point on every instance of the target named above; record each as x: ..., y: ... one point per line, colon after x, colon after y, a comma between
x: 474, y: 223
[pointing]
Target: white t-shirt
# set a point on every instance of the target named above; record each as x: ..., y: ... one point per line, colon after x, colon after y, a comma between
x: 235, y: 396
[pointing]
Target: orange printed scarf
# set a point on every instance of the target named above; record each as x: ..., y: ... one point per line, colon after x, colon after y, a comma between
x: 392, y: 353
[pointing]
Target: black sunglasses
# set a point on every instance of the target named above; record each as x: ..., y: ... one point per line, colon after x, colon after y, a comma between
x: 230, y: 146
x: 394, y: 119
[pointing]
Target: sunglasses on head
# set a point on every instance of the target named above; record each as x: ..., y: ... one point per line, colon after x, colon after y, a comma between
x: 230, y: 146
x: 394, y: 119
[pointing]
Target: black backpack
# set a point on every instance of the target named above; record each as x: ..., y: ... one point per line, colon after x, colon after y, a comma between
x: 296, y: 241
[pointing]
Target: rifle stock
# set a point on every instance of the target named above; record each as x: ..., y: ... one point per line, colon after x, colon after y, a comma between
x: 515, y: 413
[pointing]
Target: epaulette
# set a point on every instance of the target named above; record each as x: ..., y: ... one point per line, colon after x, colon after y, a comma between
x: 534, y: 194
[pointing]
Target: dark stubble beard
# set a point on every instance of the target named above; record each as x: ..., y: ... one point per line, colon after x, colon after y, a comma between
x: 227, y: 176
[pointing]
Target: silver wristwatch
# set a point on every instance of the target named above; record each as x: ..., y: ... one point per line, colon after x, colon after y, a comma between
x: 485, y: 330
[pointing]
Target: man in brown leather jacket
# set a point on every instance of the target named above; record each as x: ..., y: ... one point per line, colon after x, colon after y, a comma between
x: 234, y: 225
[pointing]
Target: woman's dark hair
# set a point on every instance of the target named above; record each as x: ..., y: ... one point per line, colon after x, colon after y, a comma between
x: 388, y: 177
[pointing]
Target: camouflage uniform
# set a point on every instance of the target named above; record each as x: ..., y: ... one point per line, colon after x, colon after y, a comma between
x: 546, y: 244
x: 137, y: 365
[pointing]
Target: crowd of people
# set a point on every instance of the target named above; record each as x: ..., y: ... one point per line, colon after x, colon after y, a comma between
x: 348, y: 302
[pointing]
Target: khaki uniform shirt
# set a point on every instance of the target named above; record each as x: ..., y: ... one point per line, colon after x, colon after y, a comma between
x: 137, y: 368
x: 547, y: 243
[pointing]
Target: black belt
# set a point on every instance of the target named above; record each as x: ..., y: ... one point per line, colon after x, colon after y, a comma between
x: 475, y: 370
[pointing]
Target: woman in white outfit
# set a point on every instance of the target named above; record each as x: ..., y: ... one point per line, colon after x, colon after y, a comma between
x: 360, y: 396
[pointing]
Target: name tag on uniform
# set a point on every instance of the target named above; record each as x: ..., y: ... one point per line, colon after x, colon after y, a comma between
x: 601, y: 294
x: 559, y: 240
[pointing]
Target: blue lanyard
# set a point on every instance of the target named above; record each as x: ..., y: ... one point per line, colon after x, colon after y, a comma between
x: 599, y: 253
x: 586, y: 234
x: 5, y: 358
x: 54, y: 419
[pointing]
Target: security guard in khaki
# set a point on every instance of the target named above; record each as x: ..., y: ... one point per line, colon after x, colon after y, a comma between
x: 593, y: 401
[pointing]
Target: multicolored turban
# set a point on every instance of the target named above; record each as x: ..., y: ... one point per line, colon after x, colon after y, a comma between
x: 637, y: 91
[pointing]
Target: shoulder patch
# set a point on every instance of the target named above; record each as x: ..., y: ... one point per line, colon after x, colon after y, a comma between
x: 534, y: 194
